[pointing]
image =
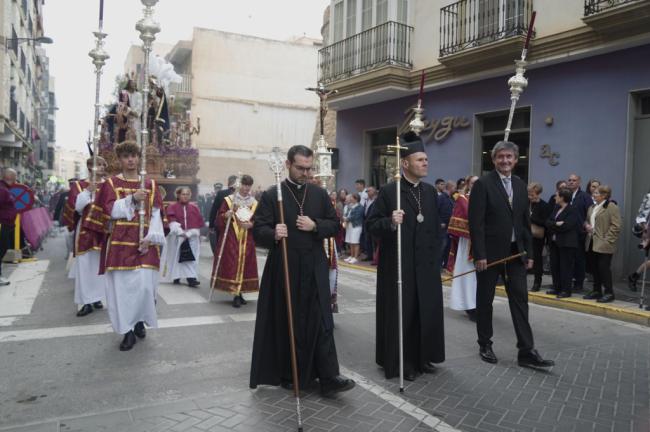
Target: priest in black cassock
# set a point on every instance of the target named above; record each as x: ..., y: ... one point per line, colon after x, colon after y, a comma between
x: 309, y: 219
x: 424, y: 340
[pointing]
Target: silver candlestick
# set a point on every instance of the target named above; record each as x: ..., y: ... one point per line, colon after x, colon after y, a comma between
x: 147, y: 28
x: 99, y: 57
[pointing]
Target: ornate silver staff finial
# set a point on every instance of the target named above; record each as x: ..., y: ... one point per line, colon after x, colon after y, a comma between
x: 99, y: 57
x: 147, y: 28
x: 518, y: 81
x: 276, y: 164
x: 417, y: 124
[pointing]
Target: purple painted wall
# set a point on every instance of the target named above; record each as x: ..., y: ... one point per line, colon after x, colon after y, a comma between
x: 588, y: 100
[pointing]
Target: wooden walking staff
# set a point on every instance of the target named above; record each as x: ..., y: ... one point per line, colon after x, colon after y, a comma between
x: 492, y: 264
x: 276, y: 163
x: 518, y: 81
x: 148, y: 29
x: 398, y: 180
x: 213, y: 283
x: 99, y: 57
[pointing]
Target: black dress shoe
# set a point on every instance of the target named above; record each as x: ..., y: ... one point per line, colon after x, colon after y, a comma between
x: 329, y: 387
x: 193, y: 283
x: 607, y: 298
x: 471, y: 314
x: 532, y: 359
x: 536, y: 286
x: 429, y: 368
x: 487, y: 355
x: 242, y: 300
x: 98, y: 305
x: 552, y: 292
x: 236, y: 302
x: 410, y: 375
x: 85, y: 310
x: 139, y: 330
x: 563, y: 294
x: 177, y: 281
x: 128, y: 341
x: 592, y: 295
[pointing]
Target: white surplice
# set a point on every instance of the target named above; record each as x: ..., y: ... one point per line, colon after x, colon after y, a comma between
x: 463, y: 289
x: 131, y: 294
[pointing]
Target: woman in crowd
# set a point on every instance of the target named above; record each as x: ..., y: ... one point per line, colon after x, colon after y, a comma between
x: 181, y: 253
x: 539, y: 212
x: 592, y: 186
x: 463, y: 289
x: 603, y: 226
x: 563, y: 235
x: 560, y: 184
x: 353, y: 220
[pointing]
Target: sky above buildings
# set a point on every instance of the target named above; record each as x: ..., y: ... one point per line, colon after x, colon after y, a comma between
x: 71, y: 23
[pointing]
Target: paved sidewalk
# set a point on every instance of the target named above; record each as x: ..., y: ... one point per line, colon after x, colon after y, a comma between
x: 627, y: 310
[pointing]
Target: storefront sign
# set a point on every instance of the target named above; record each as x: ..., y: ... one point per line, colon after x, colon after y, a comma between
x: 547, y: 153
x: 436, y: 129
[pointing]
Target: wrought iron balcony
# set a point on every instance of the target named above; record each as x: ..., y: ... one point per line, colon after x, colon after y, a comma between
x: 472, y: 23
x: 597, y: 6
x: 183, y: 88
x: 385, y: 44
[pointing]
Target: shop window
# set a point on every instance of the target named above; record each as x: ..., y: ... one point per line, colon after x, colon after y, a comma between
x: 492, y: 131
x: 645, y: 105
x: 382, y: 160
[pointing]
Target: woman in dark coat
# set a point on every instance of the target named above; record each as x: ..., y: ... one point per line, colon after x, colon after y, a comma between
x: 563, y: 237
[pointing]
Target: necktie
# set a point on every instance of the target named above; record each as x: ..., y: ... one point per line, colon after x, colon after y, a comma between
x: 508, y: 186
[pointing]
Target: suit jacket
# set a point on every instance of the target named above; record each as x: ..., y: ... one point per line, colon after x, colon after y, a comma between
x: 492, y: 219
x: 565, y: 235
x: 606, y: 229
x: 445, y: 208
x: 581, y: 202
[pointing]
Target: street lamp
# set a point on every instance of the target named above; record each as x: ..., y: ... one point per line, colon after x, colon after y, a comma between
x: 41, y: 39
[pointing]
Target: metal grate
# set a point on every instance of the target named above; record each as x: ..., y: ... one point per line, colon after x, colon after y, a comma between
x: 596, y: 6
x: 471, y: 23
x: 388, y: 43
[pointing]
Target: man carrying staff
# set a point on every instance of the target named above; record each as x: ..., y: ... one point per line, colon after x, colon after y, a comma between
x: 89, y: 285
x: 237, y: 268
x: 131, y: 266
x: 499, y: 227
x: 309, y: 219
x: 424, y: 339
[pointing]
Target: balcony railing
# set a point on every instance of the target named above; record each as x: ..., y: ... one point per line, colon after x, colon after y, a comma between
x: 471, y: 23
x: 385, y: 44
x: 184, y: 87
x: 596, y: 6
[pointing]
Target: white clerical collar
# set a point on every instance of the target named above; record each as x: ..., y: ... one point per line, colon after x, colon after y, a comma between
x: 298, y: 185
x: 414, y: 183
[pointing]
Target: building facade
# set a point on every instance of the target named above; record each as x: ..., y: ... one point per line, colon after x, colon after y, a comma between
x: 250, y: 96
x: 25, y: 91
x: 586, y: 109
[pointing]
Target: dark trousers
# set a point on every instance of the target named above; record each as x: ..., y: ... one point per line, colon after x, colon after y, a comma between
x: 562, y: 266
x: 514, y: 273
x: 580, y: 261
x: 6, y: 239
x: 446, y: 247
x: 214, y: 238
x: 601, y: 265
x: 538, y: 266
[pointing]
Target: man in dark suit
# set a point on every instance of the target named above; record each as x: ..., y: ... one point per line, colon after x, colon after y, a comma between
x: 581, y: 201
x: 216, y: 204
x: 499, y: 227
x: 445, y: 209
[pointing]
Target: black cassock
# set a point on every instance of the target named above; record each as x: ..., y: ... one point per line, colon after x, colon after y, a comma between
x: 310, y: 291
x: 424, y: 339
